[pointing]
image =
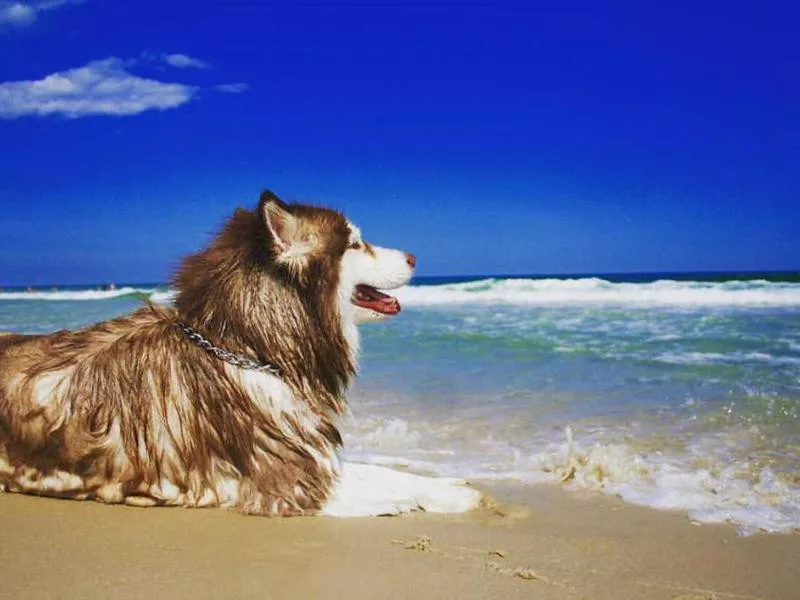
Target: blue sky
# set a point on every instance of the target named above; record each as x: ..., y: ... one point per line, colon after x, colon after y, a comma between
x: 594, y: 138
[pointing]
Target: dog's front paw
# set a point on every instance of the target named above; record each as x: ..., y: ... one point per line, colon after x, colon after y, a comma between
x: 371, y: 491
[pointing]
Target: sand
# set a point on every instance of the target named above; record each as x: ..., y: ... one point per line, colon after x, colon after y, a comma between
x: 548, y: 544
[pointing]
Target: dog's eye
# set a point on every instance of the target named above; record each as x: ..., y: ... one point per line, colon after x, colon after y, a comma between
x: 355, y: 246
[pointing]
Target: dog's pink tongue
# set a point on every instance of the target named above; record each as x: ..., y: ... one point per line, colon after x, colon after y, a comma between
x: 368, y: 297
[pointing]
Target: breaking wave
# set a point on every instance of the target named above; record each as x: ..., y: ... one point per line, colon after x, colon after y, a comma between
x: 77, y: 294
x: 593, y: 290
x: 588, y: 290
x: 707, y: 484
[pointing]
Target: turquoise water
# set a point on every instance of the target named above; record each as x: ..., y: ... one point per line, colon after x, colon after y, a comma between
x: 675, y: 392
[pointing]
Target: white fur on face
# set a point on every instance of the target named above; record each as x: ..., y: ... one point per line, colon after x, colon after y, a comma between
x: 381, y: 268
x: 384, y: 269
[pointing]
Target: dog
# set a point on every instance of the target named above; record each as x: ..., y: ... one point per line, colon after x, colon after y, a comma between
x: 230, y: 398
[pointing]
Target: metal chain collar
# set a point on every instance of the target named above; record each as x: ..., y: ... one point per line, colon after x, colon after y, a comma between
x: 237, y: 360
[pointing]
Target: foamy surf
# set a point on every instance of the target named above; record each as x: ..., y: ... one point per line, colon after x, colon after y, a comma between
x: 530, y: 291
x: 710, y: 487
x: 754, y: 499
x: 600, y: 291
x: 78, y: 295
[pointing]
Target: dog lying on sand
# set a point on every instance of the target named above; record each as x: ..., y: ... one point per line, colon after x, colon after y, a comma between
x: 231, y: 398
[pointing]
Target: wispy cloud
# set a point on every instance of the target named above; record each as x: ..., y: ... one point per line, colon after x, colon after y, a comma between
x: 232, y: 88
x: 22, y: 14
x: 102, y: 87
x: 182, y: 61
x: 18, y: 14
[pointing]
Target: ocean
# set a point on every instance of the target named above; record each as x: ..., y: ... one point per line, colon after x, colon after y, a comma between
x: 675, y: 391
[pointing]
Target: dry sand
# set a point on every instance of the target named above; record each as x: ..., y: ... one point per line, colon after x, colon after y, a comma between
x: 566, y: 546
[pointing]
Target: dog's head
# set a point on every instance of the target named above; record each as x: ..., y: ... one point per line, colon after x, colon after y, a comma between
x: 313, y: 245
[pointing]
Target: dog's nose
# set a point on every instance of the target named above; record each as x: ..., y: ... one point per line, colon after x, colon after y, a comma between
x: 411, y: 260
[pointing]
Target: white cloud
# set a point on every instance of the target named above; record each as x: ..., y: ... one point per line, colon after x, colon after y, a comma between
x: 183, y: 61
x: 232, y: 88
x: 17, y: 14
x: 21, y: 14
x: 102, y: 87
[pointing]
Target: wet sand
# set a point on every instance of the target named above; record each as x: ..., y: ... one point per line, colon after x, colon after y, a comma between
x: 546, y: 544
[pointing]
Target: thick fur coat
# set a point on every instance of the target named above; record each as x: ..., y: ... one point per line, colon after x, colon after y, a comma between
x: 131, y: 411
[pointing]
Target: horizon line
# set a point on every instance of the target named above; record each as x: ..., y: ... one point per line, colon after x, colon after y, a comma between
x: 570, y: 274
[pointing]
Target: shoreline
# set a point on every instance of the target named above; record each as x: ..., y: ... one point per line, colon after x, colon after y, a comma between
x: 540, y: 540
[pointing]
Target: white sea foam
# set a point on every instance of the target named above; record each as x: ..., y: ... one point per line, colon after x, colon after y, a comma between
x: 599, y: 291
x: 705, y: 481
x: 164, y: 297
x: 590, y: 290
x: 74, y: 295
x: 737, y: 492
x: 689, y: 358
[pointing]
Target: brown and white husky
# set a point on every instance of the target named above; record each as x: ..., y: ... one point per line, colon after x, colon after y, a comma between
x: 231, y: 398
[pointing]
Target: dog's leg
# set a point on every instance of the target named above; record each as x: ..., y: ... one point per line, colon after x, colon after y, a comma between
x: 5, y: 469
x: 369, y: 491
x: 253, y: 500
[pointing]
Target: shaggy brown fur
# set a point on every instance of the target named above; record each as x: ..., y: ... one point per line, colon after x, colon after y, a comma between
x: 130, y: 411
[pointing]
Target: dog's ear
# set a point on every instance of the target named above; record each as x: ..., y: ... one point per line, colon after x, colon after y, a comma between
x: 280, y: 222
x: 284, y: 227
x: 269, y: 196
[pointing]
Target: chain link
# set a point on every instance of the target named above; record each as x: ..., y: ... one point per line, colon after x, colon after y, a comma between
x: 236, y: 360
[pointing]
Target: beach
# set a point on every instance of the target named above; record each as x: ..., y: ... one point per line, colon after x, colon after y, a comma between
x: 672, y: 391
x: 543, y: 543
x: 640, y: 435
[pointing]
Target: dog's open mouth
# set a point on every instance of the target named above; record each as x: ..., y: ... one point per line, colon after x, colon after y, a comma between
x: 368, y: 297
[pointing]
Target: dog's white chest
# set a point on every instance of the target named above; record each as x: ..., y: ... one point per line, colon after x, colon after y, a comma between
x: 274, y: 398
